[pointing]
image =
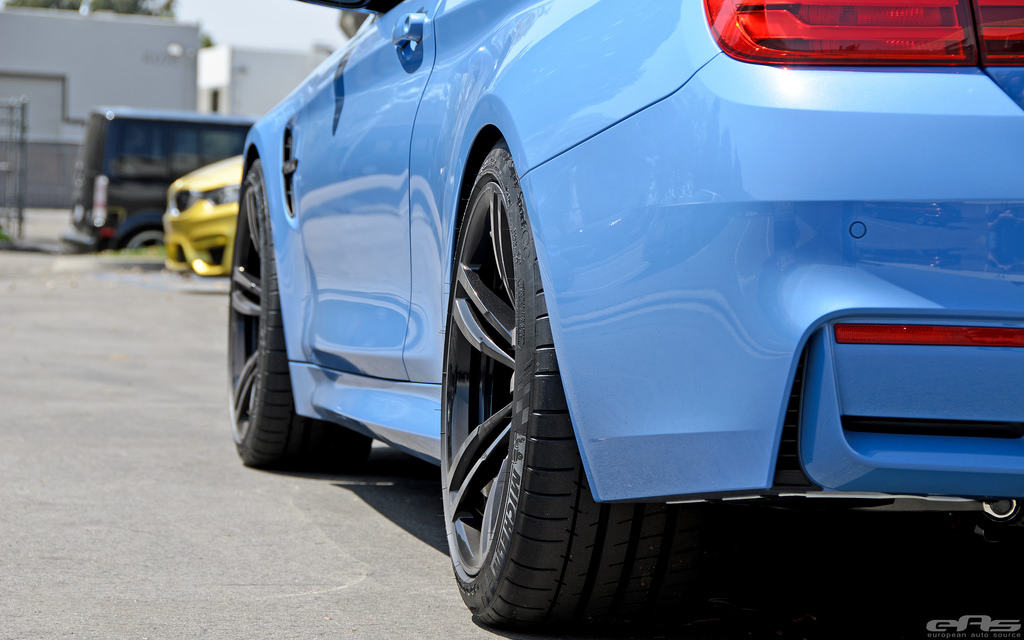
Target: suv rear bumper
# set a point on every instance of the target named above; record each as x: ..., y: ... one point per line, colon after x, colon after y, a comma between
x: 79, y: 241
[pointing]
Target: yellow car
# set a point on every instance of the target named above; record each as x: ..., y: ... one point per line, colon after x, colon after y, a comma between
x: 199, y: 225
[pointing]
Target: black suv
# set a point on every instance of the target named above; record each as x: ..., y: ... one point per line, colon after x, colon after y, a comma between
x: 129, y: 159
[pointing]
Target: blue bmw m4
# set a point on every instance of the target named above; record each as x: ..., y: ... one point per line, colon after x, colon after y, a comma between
x: 609, y: 264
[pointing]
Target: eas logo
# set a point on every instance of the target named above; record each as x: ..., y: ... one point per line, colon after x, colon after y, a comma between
x: 982, y: 623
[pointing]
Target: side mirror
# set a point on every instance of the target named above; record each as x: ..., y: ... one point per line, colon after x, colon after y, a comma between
x: 369, y: 6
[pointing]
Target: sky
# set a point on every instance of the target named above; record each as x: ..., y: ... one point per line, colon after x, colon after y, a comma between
x: 267, y: 24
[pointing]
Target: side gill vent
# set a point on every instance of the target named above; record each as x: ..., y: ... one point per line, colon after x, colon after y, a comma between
x: 788, y: 472
x: 288, y: 167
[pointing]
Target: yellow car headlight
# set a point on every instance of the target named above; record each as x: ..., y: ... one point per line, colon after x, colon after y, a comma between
x: 185, y: 199
x: 224, y: 195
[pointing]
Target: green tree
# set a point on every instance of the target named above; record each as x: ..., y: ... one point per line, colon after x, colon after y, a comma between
x: 143, y: 7
x: 45, y: 4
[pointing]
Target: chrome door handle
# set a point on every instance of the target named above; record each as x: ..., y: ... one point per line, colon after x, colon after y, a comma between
x: 409, y: 29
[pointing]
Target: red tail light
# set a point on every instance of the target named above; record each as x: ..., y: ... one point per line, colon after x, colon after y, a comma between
x: 934, y: 335
x: 894, y: 32
x: 845, y: 31
x: 99, y: 200
x: 1001, y: 26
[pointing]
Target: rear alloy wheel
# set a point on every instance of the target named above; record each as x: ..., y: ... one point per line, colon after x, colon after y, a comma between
x: 268, y: 432
x: 145, y: 238
x: 528, y: 543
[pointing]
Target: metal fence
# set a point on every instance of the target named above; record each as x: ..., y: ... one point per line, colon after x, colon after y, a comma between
x: 13, y: 165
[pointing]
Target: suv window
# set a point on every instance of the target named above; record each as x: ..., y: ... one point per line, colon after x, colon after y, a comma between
x: 221, y: 142
x: 194, y: 146
x: 162, y: 150
x: 185, y: 156
x: 141, y: 150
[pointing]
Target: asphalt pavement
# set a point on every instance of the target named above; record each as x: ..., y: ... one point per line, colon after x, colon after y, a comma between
x: 124, y: 510
x: 125, y: 513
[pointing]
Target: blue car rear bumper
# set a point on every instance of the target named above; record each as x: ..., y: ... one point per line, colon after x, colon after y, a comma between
x: 696, y: 253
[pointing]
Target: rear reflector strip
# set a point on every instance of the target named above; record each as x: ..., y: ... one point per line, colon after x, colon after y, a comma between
x: 920, y: 427
x: 932, y: 335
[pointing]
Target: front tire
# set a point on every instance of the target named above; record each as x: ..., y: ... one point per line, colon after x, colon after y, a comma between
x: 528, y: 543
x: 267, y: 430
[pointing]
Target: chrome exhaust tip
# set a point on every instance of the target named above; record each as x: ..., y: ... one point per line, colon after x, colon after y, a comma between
x: 1001, y: 510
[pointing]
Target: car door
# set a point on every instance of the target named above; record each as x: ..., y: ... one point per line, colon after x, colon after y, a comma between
x: 351, y: 182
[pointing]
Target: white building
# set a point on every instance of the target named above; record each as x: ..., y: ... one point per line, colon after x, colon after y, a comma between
x: 249, y: 82
x: 66, y: 63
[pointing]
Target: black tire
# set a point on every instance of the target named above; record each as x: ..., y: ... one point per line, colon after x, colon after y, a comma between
x: 268, y: 432
x: 554, y: 556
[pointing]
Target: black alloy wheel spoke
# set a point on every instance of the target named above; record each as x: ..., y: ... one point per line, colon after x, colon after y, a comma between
x: 483, y: 315
x: 244, y: 387
x: 488, y: 304
x: 482, y: 473
x: 253, y: 219
x: 248, y: 283
x: 478, y: 441
x: 476, y: 336
x: 243, y: 305
x: 247, y: 295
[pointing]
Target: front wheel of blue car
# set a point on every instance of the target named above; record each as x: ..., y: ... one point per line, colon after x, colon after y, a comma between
x: 528, y: 543
x: 268, y: 431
